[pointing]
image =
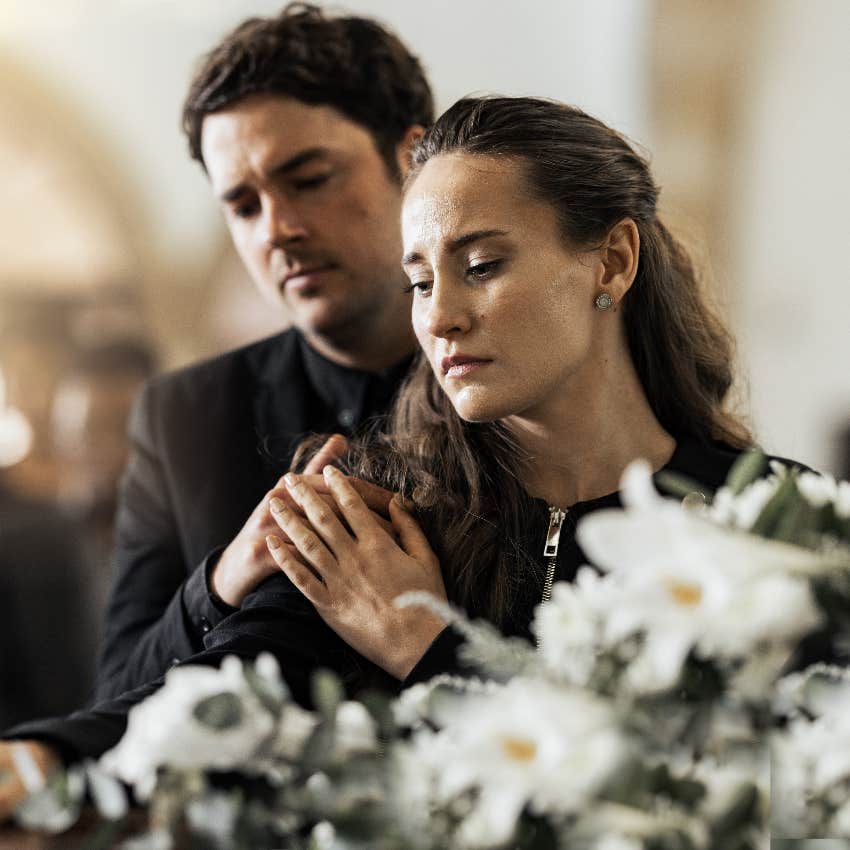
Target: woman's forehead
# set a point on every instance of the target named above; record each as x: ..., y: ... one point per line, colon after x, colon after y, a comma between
x: 460, y: 192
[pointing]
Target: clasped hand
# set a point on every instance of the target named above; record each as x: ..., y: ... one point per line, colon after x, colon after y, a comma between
x: 353, y: 575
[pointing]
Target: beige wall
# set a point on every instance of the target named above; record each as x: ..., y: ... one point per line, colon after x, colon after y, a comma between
x: 741, y: 103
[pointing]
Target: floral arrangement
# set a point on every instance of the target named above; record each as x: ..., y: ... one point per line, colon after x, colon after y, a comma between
x: 657, y: 710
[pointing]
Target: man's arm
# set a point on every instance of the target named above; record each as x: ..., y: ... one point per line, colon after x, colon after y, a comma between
x: 155, y: 614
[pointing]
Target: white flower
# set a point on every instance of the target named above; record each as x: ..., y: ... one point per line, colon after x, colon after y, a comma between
x: 529, y: 742
x: 569, y: 626
x: 163, y: 730
x: 294, y: 727
x: 817, y: 490
x: 617, y: 842
x: 742, y: 510
x: 842, y: 500
x: 355, y: 730
x: 214, y: 815
x: 689, y: 584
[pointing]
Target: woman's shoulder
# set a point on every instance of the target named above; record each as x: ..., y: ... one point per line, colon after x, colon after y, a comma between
x: 710, y: 464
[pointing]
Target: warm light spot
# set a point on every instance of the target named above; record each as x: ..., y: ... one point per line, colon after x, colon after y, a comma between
x: 685, y: 594
x: 519, y: 749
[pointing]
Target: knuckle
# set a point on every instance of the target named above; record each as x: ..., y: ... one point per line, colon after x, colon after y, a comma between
x: 324, y: 518
x: 311, y: 545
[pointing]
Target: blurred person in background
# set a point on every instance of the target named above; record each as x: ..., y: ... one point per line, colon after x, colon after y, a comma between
x: 303, y: 123
x: 47, y: 637
x: 88, y: 424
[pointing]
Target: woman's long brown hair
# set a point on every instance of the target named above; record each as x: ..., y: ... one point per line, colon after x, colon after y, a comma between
x: 464, y: 478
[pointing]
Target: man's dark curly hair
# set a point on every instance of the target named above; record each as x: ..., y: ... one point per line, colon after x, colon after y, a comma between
x: 352, y: 64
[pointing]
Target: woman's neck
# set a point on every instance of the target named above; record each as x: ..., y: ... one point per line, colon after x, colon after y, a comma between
x: 577, y: 451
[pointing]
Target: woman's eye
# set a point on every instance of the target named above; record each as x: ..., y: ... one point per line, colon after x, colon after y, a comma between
x: 481, y: 271
x: 421, y: 286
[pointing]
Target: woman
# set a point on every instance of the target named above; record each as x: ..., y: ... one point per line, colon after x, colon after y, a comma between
x: 563, y: 335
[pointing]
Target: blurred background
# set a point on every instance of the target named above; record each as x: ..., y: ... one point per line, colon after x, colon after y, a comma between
x: 115, y: 264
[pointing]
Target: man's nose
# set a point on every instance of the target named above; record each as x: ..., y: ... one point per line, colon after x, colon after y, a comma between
x: 282, y: 223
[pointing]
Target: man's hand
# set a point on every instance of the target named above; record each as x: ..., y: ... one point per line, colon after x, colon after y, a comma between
x: 247, y: 561
x: 24, y: 769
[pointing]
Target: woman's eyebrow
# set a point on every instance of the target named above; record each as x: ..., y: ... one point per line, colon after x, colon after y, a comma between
x: 456, y: 244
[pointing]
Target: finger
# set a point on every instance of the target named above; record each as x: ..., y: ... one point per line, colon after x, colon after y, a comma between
x: 333, y: 449
x: 319, y: 514
x: 298, y: 573
x: 410, y: 534
x: 377, y: 498
x: 306, y: 541
x: 355, y: 511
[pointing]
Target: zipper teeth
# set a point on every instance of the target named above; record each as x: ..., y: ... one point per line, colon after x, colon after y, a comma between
x: 550, y: 578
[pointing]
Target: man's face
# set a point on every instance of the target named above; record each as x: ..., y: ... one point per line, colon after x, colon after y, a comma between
x: 312, y: 210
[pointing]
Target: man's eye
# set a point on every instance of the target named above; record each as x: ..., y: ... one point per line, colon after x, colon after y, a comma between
x: 244, y: 210
x: 481, y: 271
x: 311, y: 182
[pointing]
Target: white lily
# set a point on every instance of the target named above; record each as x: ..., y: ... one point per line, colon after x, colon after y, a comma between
x: 529, y: 743
x: 686, y: 583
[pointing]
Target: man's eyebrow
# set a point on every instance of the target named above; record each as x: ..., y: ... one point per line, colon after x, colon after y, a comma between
x: 456, y: 244
x: 283, y: 168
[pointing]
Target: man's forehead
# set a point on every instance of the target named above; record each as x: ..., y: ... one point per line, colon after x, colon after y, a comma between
x: 265, y: 130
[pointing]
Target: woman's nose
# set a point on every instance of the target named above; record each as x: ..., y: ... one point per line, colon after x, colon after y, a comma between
x: 447, y: 311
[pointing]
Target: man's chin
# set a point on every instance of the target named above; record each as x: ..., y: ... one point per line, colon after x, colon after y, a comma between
x: 322, y: 318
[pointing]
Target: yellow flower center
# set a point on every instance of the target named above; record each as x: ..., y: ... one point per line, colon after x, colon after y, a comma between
x: 519, y: 749
x: 685, y: 593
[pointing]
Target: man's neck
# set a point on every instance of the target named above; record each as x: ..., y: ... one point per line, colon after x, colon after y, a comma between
x: 368, y: 354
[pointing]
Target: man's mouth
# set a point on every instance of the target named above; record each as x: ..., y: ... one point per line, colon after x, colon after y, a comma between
x: 302, y: 278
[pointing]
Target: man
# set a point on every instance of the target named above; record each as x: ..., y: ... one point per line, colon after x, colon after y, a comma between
x: 303, y: 124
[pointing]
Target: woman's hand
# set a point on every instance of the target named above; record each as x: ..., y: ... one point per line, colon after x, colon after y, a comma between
x: 353, y: 577
x: 246, y: 561
x: 23, y: 772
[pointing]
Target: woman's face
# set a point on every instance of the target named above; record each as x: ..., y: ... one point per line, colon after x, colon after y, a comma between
x: 502, y: 307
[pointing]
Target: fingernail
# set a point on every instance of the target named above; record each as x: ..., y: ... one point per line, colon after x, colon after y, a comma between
x: 330, y: 471
x: 273, y: 542
x: 276, y: 504
x: 289, y: 479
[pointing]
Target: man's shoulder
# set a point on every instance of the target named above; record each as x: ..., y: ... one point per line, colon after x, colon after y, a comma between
x: 267, y: 359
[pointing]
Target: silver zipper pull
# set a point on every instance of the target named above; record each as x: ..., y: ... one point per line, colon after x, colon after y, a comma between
x: 553, y: 535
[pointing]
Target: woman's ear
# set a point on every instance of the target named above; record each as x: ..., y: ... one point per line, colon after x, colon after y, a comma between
x: 402, y: 151
x: 619, y: 255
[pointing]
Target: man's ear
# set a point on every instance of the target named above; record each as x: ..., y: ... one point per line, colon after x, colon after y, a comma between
x: 619, y: 253
x: 405, y: 146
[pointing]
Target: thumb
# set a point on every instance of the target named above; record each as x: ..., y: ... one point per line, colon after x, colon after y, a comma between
x: 334, y: 448
x: 411, y: 537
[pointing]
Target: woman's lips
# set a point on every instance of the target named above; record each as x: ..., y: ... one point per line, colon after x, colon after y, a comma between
x: 460, y: 367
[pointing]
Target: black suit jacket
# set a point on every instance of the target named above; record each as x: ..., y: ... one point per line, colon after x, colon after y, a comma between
x: 207, y: 443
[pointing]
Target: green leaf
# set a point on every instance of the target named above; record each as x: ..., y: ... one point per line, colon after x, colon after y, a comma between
x: 746, y: 469
x: 778, y: 504
x: 328, y: 692
x: 219, y: 711
x: 681, y: 486
x: 797, y: 524
x: 380, y: 707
